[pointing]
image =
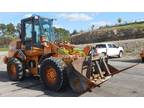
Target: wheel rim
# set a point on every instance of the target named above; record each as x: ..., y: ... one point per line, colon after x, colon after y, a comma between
x: 51, y: 75
x: 13, y: 70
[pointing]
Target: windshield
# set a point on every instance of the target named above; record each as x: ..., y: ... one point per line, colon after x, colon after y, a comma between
x: 47, y: 28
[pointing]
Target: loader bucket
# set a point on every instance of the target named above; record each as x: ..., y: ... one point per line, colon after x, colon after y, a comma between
x: 84, y: 75
x: 78, y: 82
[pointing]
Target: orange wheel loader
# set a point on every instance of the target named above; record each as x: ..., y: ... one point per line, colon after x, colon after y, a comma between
x: 37, y: 53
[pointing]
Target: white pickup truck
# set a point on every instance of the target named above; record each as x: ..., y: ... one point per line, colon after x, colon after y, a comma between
x: 109, y: 49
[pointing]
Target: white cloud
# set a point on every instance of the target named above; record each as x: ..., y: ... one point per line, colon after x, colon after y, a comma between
x: 76, y: 16
x: 27, y: 15
x: 57, y: 26
x: 101, y: 23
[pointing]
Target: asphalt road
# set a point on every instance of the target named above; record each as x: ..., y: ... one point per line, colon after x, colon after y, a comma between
x: 129, y: 82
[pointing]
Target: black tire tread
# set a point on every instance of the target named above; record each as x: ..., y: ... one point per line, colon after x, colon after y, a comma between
x: 19, y: 67
x: 60, y: 67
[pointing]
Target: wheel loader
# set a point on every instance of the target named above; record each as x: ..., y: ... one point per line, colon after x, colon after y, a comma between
x: 38, y: 53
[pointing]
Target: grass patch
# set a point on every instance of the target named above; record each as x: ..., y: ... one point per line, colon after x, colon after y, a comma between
x: 129, y: 26
x: 3, y: 49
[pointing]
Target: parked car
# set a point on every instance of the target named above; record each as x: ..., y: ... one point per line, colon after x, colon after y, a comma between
x: 109, y: 49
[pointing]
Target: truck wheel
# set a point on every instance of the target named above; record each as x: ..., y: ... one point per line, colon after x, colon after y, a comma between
x: 52, y: 74
x: 15, y: 69
x: 120, y: 54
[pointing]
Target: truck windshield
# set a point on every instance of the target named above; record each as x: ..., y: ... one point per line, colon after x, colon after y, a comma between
x: 47, y: 28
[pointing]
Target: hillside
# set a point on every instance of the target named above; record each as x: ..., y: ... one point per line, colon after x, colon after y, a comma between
x: 113, y: 33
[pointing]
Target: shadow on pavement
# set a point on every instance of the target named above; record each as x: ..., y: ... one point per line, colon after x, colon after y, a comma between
x: 35, y: 84
x: 130, y: 60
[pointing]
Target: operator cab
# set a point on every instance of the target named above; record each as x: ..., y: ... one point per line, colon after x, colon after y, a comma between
x: 35, y: 27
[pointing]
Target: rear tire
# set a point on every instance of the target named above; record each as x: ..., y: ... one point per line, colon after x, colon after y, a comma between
x: 15, y: 69
x: 52, y: 73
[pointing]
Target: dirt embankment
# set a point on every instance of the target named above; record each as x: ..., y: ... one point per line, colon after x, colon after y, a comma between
x: 129, y: 36
x: 110, y: 34
x: 132, y: 47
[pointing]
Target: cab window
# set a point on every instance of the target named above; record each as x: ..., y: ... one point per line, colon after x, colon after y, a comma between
x: 28, y: 31
x: 37, y: 32
x: 110, y: 45
x: 101, y: 46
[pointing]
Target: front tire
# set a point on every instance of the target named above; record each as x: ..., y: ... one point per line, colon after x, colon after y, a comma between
x: 52, y: 73
x: 15, y: 69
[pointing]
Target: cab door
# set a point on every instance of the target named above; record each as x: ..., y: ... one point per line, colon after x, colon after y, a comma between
x: 27, y: 34
x: 37, y: 34
x: 30, y: 37
x: 30, y: 41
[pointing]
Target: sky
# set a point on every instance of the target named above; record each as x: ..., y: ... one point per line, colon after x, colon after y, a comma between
x: 75, y: 21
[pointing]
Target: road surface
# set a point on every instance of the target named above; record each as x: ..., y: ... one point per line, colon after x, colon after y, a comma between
x: 127, y: 83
